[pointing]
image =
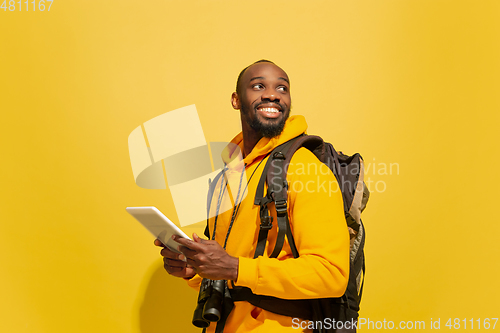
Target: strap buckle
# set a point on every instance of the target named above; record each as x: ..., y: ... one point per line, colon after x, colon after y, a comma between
x: 266, y: 222
x: 281, y: 207
x: 278, y: 155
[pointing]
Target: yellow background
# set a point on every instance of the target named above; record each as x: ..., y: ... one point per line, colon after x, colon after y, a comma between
x: 412, y: 82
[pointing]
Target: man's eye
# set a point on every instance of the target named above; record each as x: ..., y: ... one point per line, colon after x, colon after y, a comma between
x: 257, y: 86
x: 282, y: 89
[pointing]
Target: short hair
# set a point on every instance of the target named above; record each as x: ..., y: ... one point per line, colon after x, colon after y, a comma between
x: 238, y: 81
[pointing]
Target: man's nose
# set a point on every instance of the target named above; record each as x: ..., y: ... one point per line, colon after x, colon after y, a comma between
x: 270, y: 95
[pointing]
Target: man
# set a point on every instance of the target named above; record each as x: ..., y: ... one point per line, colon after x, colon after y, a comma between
x: 315, y: 212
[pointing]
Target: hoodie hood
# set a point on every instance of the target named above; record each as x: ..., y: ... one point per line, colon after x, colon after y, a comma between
x: 294, y: 126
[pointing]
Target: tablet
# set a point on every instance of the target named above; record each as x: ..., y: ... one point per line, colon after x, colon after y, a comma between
x: 158, y: 224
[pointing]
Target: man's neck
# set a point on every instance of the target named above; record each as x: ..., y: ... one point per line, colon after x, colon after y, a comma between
x: 250, y: 139
x: 250, y: 136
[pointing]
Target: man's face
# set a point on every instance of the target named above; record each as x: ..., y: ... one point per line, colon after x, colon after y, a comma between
x: 264, y: 99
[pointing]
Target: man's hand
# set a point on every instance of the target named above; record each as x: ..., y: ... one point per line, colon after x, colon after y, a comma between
x: 208, y: 258
x: 174, y: 264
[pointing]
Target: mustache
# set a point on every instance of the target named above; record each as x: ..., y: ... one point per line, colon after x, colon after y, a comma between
x: 278, y: 105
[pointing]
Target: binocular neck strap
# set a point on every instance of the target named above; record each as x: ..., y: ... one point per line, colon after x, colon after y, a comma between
x: 237, y: 202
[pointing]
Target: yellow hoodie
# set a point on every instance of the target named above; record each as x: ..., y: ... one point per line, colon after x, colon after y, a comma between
x: 316, y: 214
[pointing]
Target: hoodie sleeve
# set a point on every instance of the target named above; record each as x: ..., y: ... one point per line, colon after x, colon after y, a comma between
x: 316, y: 214
x: 194, y: 282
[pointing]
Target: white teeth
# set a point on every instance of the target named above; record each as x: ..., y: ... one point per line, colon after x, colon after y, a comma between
x: 271, y: 110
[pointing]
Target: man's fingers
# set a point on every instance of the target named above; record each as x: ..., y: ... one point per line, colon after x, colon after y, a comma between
x: 187, y: 251
x: 180, y: 272
x: 187, y: 243
x: 174, y: 263
x: 176, y: 271
x: 166, y: 252
x: 191, y: 262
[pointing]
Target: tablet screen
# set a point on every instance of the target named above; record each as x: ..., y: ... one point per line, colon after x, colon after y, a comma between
x: 158, y: 224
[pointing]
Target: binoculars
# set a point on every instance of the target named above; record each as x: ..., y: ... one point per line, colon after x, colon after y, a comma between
x: 210, y: 301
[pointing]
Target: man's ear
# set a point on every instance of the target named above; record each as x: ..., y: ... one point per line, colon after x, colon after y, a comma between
x: 235, y: 101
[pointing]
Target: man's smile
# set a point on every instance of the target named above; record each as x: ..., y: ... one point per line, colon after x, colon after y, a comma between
x: 269, y: 111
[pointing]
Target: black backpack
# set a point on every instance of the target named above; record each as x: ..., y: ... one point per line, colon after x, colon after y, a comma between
x: 349, y: 172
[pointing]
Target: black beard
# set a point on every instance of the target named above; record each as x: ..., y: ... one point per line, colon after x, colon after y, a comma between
x: 267, y: 130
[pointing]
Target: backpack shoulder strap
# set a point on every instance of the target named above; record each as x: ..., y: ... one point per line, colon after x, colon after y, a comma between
x: 273, y: 163
x: 275, y: 175
x: 211, y: 190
